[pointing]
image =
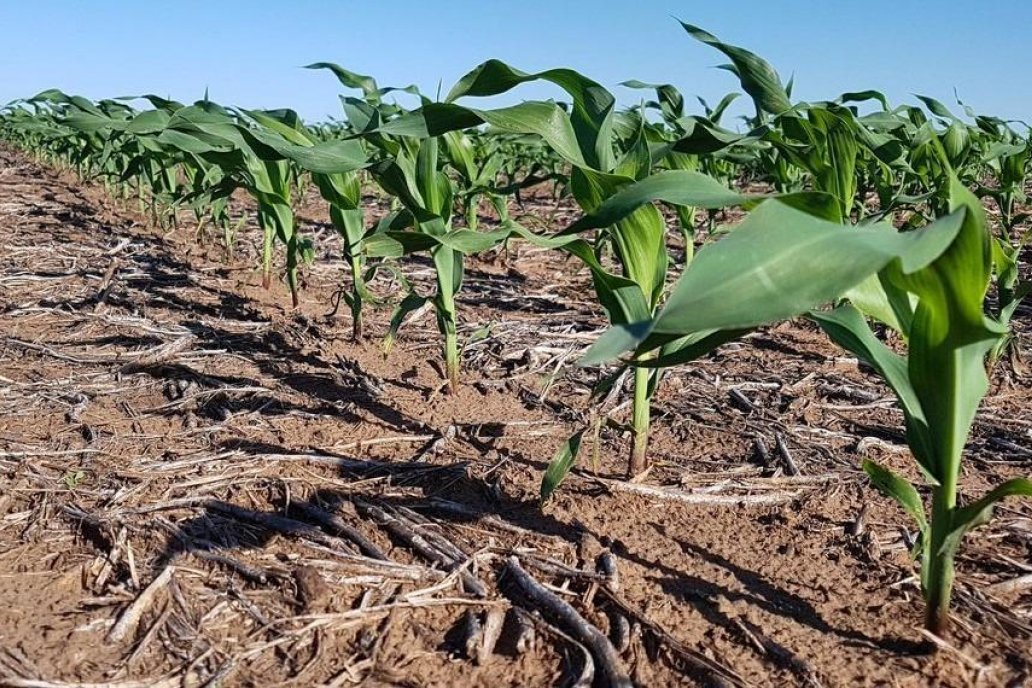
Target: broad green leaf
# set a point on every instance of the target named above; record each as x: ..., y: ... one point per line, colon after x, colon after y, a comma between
x: 950, y: 335
x: 679, y: 187
x: 780, y: 262
x: 872, y: 298
x: 862, y: 96
x: 592, y: 112
x: 547, y: 120
x: 936, y: 107
x: 689, y: 348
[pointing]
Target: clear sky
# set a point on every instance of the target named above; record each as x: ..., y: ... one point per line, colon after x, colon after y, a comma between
x: 249, y: 53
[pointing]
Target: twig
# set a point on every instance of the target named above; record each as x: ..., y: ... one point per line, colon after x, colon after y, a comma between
x: 494, y: 620
x: 404, y: 532
x: 368, y: 466
x: 130, y: 618
x: 476, y: 516
x: 159, y: 354
x: 741, y: 401
x: 786, y: 456
x: 205, y: 549
x: 761, y: 451
x: 105, y: 285
x: 1012, y: 585
x: 712, y: 672
x: 560, y: 570
x: 943, y: 645
x: 167, y: 682
x: 613, y: 673
x: 696, y: 498
x: 336, y: 525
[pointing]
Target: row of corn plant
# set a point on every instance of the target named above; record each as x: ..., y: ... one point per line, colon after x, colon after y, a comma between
x: 824, y: 235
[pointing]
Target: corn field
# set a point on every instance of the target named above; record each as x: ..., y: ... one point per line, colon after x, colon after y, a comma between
x: 893, y: 234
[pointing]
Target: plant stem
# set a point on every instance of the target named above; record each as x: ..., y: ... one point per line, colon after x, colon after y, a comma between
x: 445, y: 304
x: 640, y: 423
x: 472, y: 220
x: 451, y: 359
x: 227, y: 240
x: 267, y: 237
x: 292, y: 271
x: 356, y: 297
x: 939, y: 575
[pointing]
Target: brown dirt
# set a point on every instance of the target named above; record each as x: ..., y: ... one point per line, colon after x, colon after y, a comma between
x: 114, y: 466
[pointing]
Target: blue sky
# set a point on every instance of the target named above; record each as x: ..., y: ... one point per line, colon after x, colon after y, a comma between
x: 249, y: 53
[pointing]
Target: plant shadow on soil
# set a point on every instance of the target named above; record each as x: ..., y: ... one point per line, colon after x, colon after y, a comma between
x: 470, y: 500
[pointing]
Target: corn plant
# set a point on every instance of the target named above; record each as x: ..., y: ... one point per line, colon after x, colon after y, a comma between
x: 586, y: 138
x: 264, y: 163
x: 424, y: 189
x: 939, y: 383
x: 779, y: 262
x: 342, y: 192
x: 1008, y: 158
x: 411, y: 169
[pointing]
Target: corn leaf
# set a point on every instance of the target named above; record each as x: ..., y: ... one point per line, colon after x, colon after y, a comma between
x: 758, y: 78
x: 898, y: 488
x: 780, y: 262
x: 560, y: 465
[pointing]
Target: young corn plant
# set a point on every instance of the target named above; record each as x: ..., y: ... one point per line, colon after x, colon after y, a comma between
x: 821, y: 140
x: 939, y: 383
x: 411, y: 169
x: 343, y: 193
x: 477, y: 162
x: 587, y: 140
x: 787, y: 256
x: 266, y: 164
x: 415, y: 177
x: 1009, y: 159
x: 216, y: 135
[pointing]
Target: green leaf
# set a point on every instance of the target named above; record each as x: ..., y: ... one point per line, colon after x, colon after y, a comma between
x: 681, y: 187
x: 694, y: 346
x: 325, y: 157
x: 847, y: 328
x: 758, y: 78
x: 899, y: 488
x: 936, y: 107
x: 950, y: 336
x: 980, y: 512
x: 367, y: 84
x: 862, y: 96
x: 615, y: 341
x: 877, y: 298
x: 593, y: 105
x: 779, y: 263
x: 672, y: 350
x: 410, y: 303
x: 560, y: 465
x: 547, y: 120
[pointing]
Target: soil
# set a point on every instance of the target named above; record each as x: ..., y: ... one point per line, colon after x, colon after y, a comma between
x: 161, y: 415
